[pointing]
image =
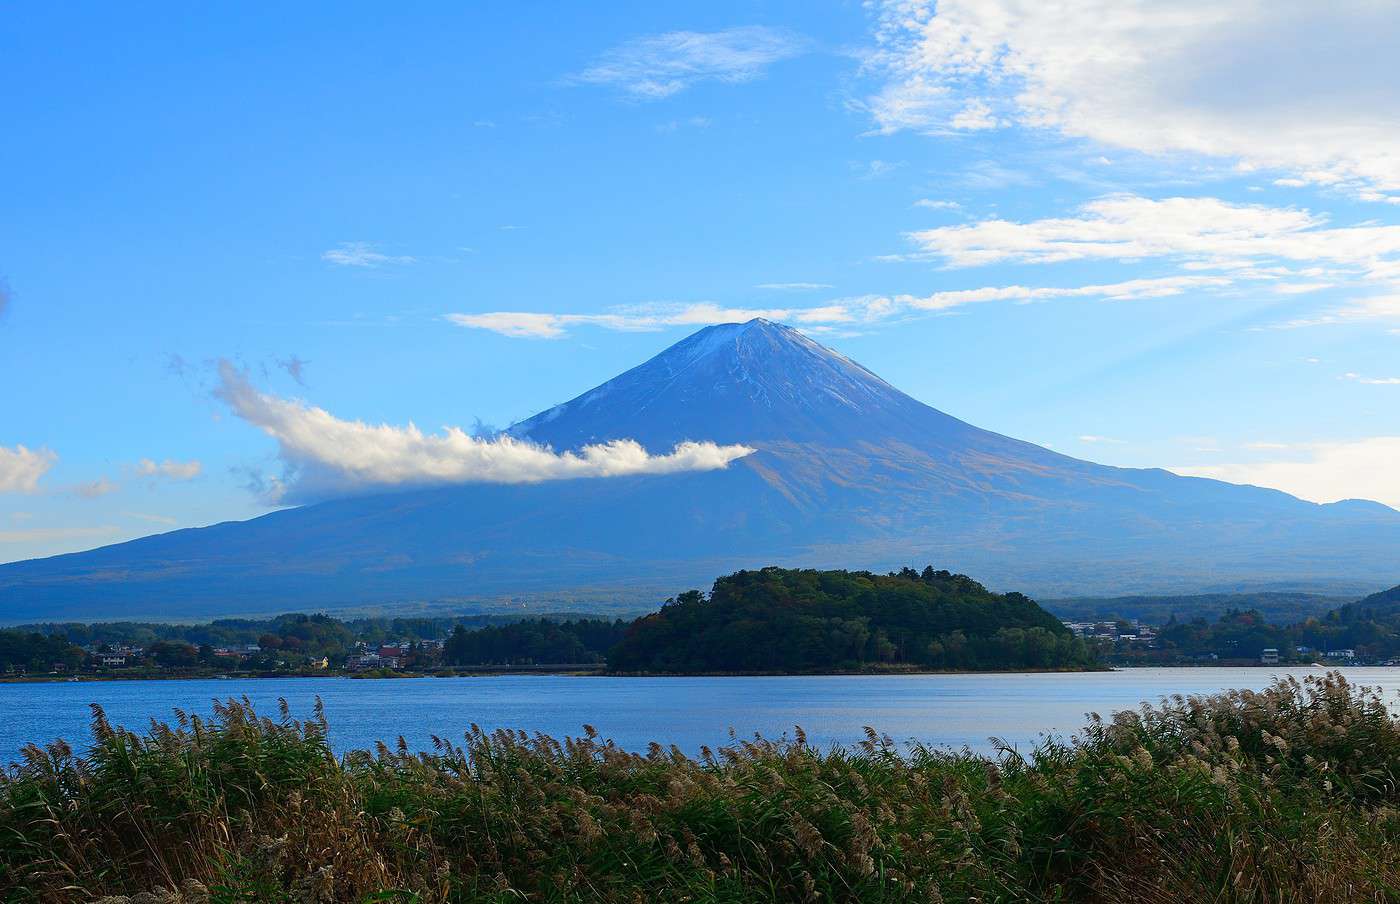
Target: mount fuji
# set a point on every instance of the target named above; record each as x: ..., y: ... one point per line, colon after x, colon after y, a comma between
x: 847, y: 472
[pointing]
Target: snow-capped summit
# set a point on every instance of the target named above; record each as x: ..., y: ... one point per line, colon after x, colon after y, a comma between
x: 740, y: 382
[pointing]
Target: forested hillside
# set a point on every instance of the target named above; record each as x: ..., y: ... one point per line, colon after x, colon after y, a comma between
x: 1369, y: 628
x: 1279, y: 608
x: 782, y: 620
x: 536, y: 640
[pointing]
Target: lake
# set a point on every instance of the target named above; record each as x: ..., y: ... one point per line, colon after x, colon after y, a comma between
x: 951, y: 710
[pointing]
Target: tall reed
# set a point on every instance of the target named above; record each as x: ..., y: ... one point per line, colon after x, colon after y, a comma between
x: 1287, y: 794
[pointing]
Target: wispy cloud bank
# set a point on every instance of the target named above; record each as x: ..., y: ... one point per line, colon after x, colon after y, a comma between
x: 1291, y: 251
x: 21, y: 468
x: 935, y: 204
x: 326, y: 456
x: 838, y: 313
x: 675, y: 125
x: 1213, y: 244
x: 295, y: 368
x: 168, y: 469
x: 1200, y: 77
x: 875, y: 169
x: 42, y: 534
x: 1127, y: 290
x: 362, y: 254
x: 152, y: 519
x: 1372, y: 381
x: 658, y: 66
x: 1321, y: 472
x: 792, y: 286
x: 1205, y: 232
x: 96, y: 489
x: 642, y: 318
x: 1379, y: 308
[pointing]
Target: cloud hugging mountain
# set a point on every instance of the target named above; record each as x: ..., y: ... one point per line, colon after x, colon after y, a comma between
x: 327, y: 457
x: 846, y: 471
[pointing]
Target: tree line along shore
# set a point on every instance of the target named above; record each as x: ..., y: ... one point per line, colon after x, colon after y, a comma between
x: 771, y: 620
x: 768, y: 620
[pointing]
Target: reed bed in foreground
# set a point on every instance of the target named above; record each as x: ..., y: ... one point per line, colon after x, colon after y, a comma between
x: 1283, y: 795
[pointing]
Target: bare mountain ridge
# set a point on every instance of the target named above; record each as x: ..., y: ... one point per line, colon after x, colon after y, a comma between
x: 848, y: 472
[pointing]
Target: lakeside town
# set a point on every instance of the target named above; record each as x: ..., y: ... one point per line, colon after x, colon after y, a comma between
x: 1122, y: 642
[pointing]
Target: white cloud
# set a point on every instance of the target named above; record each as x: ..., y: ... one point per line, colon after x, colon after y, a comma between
x: 845, y: 311
x: 640, y: 318
x: 1293, y: 250
x: 1092, y: 439
x: 172, y: 470
x: 1375, y: 309
x: 792, y: 286
x: 932, y: 204
x: 1128, y: 290
x: 327, y: 456
x: 675, y: 125
x: 1295, y: 288
x: 517, y: 324
x: 658, y: 66
x: 1373, y: 381
x: 974, y: 117
x: 152, y: 519
x: 361, y: 254
x: 45, y: 534
x: 21, y: 468
x: 908, y: 102
x: 1208, y: 232
x: 295, y: 368
x: 1292, y: 86
x: 989, y: 175
x: 95, y: 489
x: 1322, y: 472
x: 875, y: 169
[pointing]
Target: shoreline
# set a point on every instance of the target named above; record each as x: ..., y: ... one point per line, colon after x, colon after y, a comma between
x: 582, y: 671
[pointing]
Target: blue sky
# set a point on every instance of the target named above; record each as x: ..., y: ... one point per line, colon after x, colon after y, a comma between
x: 1142, y: 239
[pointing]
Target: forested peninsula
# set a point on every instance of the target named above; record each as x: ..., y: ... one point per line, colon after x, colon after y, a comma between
x: 780, y: 620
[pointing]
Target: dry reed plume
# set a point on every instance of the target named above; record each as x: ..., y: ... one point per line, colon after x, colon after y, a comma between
x: 1284, y: 795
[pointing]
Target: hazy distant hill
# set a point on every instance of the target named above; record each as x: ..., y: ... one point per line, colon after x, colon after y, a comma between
x: 1277, y: 608
x: 849, y: 472
x: 1384, y: 605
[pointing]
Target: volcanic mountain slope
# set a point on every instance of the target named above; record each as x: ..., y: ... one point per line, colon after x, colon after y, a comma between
x: 848, y: 472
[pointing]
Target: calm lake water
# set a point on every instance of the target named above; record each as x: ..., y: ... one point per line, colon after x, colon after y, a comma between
x: 951, y: 710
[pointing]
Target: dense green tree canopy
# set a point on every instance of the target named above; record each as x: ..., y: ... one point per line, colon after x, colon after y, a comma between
x: 1370, y: 627
x: 30, y: 651
x: 783, y: 620
x: 538, y: 641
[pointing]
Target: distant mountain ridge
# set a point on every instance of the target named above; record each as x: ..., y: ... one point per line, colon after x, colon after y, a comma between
x: 848, y: 472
